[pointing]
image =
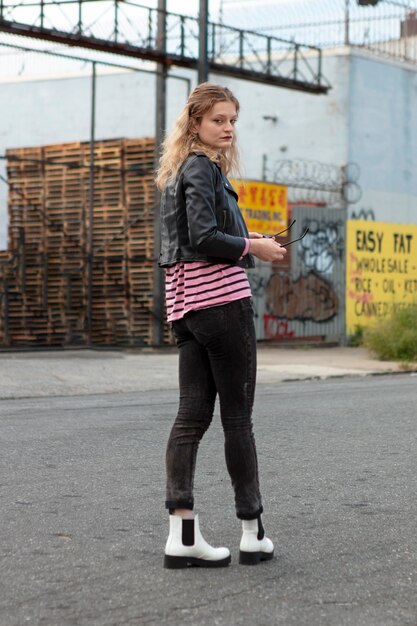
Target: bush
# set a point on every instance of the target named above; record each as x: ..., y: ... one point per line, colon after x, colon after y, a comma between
x: 394, y: 338
x: 356, y: 339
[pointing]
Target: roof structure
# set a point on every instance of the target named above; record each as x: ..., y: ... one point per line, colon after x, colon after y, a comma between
x: 131, y: 30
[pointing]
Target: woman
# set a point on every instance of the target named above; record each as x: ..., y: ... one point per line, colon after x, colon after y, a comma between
x: 205, y: 248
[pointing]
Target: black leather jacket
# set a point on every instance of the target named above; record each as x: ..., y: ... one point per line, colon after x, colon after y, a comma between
x: 200, y: 217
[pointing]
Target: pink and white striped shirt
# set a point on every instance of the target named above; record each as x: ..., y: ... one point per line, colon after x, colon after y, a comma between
x: 200, y: 285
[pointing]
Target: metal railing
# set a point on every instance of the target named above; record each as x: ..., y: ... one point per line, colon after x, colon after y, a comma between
x: 388, y: 28
x: 124, y: 27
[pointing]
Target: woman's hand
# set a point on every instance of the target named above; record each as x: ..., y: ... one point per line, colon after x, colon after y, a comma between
x: 266, y: 248
x: 255, y: 236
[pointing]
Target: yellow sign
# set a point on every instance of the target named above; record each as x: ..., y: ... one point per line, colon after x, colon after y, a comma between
x: 263, y: 205
x: 381, y: 270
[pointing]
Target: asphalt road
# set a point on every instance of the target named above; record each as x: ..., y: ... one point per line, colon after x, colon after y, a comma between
x: 83, y: 525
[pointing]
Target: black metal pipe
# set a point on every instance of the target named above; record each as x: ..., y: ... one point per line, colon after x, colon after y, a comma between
x: 80, y: 17
x: 22, y: 259
x: 150, y: 35
x: 90, y: 236
x: 116, y: 20
x: 319, y: 70
x: 182, y: 36
x: 160, y: 126
x: 347, y: 23
x: 268, y: 56
x: 241, y: 55
x: 6, y: 337
x: 203, y: 60
x: 44, y: 287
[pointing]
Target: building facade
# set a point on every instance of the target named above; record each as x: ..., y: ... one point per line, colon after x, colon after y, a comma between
x: 367, y: 121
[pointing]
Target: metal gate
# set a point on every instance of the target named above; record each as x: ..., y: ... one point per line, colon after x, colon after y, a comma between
x: 304, y: 300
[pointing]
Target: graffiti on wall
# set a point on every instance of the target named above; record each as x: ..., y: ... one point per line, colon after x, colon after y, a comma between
x: 269, y: 325
x: 286, y: 301
x: 322, y: 246
x: 363, y: 214
x: 258, y: 282
x: 308, y: 298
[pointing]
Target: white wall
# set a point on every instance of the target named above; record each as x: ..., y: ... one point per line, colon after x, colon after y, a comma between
x: 308, y: 127
x: 369, y: 116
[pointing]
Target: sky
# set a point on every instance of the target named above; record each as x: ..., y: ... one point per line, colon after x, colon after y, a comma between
x: 283, y: 11
x: 312, y: 22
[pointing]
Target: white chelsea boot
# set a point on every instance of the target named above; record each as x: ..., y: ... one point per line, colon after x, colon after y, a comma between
x: 254, y: 546
x: 186, y: 546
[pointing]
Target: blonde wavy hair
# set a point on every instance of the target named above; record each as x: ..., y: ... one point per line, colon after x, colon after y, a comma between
x: 182, y: 141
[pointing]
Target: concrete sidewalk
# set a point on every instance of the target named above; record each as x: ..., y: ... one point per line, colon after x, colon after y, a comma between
x: 80, y: 372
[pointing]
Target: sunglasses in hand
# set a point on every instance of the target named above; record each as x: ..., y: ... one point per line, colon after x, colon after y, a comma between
x: 288, y: 243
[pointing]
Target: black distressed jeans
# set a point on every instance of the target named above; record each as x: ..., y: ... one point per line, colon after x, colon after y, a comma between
x: 217, y: 355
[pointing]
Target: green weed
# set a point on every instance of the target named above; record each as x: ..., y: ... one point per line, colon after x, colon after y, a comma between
x: 394, y: 338
x: 356, y: 339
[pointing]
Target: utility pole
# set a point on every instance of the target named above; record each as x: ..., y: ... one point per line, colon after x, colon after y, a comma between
x: 160, y: 127
x: 90, y: 222
x: 202, y: 59
x: 347, y: 38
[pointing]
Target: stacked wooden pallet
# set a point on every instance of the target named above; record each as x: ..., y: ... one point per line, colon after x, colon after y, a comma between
x: 49, y: 208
